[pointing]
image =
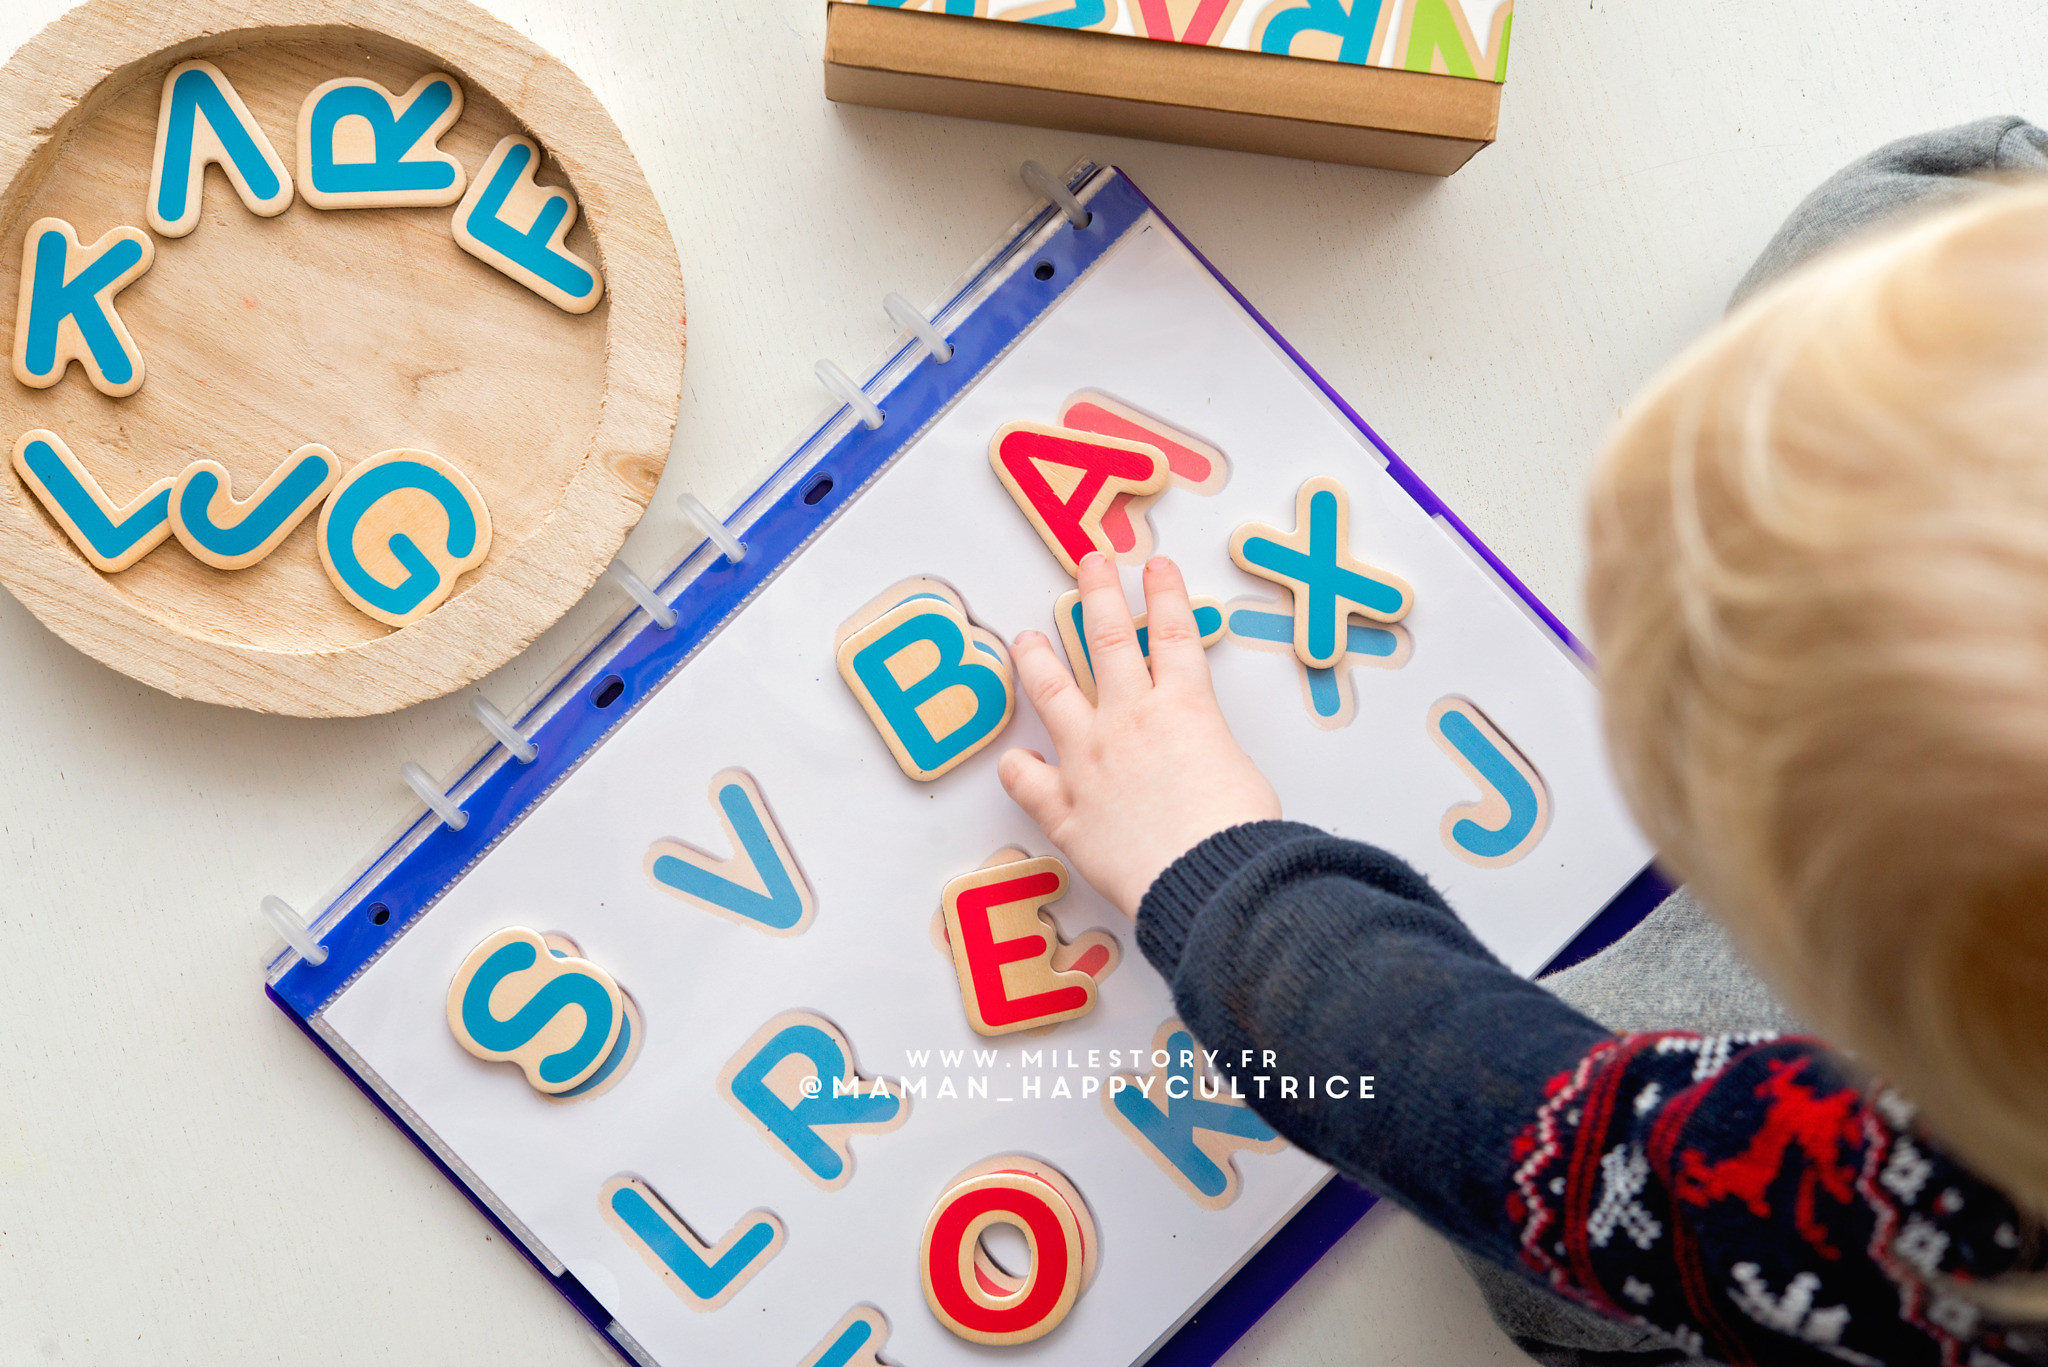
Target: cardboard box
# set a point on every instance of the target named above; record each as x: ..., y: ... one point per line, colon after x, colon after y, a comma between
x: 1278, y: 76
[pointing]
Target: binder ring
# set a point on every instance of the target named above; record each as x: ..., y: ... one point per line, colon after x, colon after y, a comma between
x: 842, y: 386
x: 507, y: 734
x: 714, y: 531
x: 636, y: 588
x: 1044, y: 183
x: 919, y: 326
x: 438, y: 802
x: 296, y: 933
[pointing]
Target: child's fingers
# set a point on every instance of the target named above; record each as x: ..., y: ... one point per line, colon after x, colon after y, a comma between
x: 1050, y: 687
x: 1112, y: 637
x: 1170, y: 632
x: 1033, y: 785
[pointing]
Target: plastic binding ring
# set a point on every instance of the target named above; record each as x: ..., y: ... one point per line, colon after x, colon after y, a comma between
x: 636, y: 588
x: 714, y: 531
x: 919, y: 326
x: 843, y: 388
x: 506, y: 733
x: 438, y: 802
x: 1043, y: 183
x: 296, y: 933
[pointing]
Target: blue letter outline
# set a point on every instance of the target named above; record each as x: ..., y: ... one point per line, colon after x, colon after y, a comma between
x: 1513, y: 811
x: 1166, y: 1126
x: 705, y: 1276
x: 815, y: 1132
x: 760, y: 885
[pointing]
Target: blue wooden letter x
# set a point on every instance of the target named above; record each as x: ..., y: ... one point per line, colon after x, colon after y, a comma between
x: 1314, y: 563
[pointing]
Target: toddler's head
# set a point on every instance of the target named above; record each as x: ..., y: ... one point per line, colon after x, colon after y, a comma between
x: 1819, y: 594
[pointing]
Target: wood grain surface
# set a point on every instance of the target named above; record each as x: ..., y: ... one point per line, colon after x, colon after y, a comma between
x: 363, y: 330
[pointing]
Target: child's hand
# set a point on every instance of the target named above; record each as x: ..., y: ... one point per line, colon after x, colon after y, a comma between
x: 1148, y: 771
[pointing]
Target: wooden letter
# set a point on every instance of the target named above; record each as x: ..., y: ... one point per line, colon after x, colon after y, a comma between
x: 379, y: 523
x: 66, y: 309
x: 1065, y: 481
x: 518, y: 1000
x: 111, y: 536
x: 232, y: 534
x: 1514, y: 806
x: 1314, y: 563
x: 1004, y: 948
x: 936, y: 687
x: 202, y: 121
x: 1059, y: 1232
x: 509, y: 222
x: 625, y: 1048
x: 362, y: 147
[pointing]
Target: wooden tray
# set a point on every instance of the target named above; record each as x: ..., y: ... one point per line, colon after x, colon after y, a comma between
x: 362, y: 329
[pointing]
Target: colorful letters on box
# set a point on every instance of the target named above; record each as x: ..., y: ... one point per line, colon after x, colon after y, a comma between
x: 760, y: 885
x: 705, y: 1276
x: 1185, y: 1122
x: 1466, y: 38
x: 361, y: 147
x: 795, y: 1081
x: 509, y: 222
x: 66, y: 312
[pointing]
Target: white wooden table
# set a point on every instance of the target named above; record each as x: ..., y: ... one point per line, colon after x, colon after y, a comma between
x: 182, y: 1179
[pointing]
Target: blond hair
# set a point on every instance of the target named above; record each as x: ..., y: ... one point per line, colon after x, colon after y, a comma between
x: 1819, y: 594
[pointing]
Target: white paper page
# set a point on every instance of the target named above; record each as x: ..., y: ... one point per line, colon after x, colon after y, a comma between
x: 1152, y: 327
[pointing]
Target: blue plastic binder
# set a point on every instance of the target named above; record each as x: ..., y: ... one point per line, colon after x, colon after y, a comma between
x: 1021, y: 283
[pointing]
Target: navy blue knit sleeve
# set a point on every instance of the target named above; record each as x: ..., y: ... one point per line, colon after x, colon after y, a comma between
x: 1345, y: 962
x: 1751, y: 1196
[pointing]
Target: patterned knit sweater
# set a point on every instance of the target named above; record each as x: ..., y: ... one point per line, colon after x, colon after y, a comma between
x: 1754, y: 1197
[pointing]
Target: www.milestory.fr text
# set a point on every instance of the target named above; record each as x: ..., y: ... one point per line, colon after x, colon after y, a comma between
x: 1053, y: 1074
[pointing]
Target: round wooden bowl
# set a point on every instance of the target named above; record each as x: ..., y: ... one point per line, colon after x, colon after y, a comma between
x: 360, y: 329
